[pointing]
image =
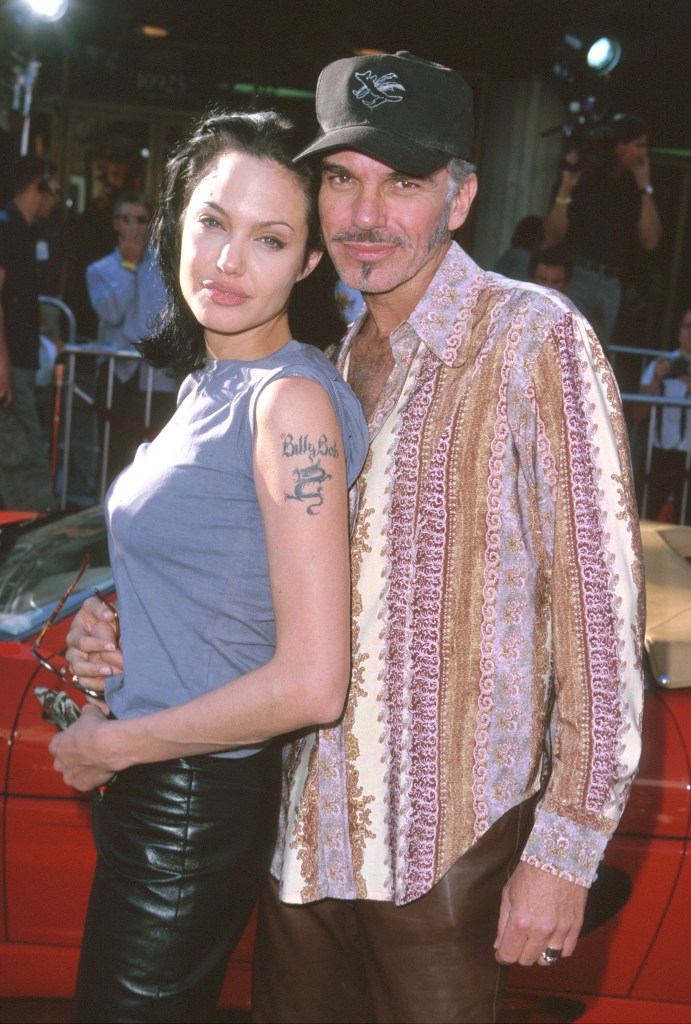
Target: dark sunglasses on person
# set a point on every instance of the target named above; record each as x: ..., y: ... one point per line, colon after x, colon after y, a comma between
x: 131, y: 218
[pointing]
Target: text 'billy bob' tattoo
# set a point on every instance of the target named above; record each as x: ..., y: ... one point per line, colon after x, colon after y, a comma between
x: 303, y: 446
x: 309, y: 480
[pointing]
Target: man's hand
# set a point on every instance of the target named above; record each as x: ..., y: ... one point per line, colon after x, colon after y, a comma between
x: 571, y: 172
x: 649, y: 223
x: 556, y: 222
x: 79, y: 752
x: 93, y: 651
x: 662, y: 368
x: 538, y: 910
x: 132, y: 241
x: 641, y: 171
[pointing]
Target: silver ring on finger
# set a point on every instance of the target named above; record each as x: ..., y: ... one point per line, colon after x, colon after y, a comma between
x: 86, y: 690
x: 550, y: 955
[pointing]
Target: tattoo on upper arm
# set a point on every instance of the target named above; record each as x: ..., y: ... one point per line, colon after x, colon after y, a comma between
x: 309, y: 479
x: 303, y: 446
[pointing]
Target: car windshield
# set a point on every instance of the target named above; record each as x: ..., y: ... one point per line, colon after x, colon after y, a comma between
x: 41, y: 565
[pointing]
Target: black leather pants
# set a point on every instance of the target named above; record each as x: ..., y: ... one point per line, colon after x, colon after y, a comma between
x: 183, y: 850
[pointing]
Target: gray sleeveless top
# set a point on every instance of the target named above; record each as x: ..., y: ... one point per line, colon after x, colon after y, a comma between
x: 186, y: 537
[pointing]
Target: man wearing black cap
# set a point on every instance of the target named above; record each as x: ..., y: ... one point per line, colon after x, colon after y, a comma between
x: 452, y: 820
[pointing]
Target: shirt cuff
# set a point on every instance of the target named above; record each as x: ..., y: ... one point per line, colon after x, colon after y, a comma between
x: 566, y: 848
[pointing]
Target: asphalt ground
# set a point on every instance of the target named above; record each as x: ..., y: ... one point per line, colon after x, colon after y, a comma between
x: 57, y: 1011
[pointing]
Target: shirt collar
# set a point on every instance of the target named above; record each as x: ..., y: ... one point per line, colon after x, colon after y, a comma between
x: 444, y: 313
x: 442, y: 316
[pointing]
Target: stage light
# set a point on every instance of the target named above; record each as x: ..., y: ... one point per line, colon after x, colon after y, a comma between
x: 154, y: 31
x: 604, y: 55
x: 579, y: 56
x: 48, y: 10
x: 568, y: 58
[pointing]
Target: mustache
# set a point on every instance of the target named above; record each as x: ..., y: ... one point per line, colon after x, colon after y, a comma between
x: 373, y: 237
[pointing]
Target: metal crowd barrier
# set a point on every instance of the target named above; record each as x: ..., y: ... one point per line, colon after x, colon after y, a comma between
x: 61, y: 309
x: 98, y: 355
x: 657, y: 403
x: 101, y: 446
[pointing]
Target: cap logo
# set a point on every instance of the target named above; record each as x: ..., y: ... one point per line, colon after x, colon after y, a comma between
x: 373, y: 90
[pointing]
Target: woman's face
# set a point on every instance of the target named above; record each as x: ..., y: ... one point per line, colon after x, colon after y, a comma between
x: 243, y: 248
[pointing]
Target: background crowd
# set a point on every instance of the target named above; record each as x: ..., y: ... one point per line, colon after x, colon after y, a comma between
x: 595, y: 241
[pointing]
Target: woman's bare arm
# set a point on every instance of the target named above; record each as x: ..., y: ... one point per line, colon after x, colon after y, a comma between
x: 301, y: 486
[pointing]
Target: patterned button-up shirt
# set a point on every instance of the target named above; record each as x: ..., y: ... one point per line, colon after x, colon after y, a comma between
x: 498, y: 605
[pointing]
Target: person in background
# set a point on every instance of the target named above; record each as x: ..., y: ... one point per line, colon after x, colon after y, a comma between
x: 24, y: 469
x: 670, y: 376
x: 602, y: 211
x: 117, y: 169
x: 229, y: 544
x: 127, y: 292
x: 552, y: 268
x: 315, y: 314
x: 350, y: 301
x: 54, y: 256
x: 526, y: 238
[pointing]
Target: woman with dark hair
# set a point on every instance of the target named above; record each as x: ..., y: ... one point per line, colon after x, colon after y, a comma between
x: 229, y: 543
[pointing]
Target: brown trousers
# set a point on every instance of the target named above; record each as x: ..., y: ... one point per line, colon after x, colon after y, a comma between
x: 362, y: 961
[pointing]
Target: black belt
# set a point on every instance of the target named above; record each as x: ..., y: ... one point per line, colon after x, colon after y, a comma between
x: 598, y: 268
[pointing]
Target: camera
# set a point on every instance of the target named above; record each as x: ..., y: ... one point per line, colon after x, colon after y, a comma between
x: 594, y: 142
x: 679, y: 367
x: 586, y: 131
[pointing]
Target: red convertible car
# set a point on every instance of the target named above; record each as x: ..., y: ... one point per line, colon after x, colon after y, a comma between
x: 632, y: 962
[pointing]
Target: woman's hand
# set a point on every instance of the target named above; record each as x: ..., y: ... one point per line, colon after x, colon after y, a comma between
x: 79, y: 753
x: 93, y: 651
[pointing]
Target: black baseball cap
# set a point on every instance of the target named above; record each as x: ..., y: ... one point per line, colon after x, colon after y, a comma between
x: 409, y: 113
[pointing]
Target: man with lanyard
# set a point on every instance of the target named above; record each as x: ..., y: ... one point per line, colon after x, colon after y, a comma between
x: 24, y: 469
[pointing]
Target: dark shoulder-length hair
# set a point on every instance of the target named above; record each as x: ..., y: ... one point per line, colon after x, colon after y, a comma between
x: 178, y: 343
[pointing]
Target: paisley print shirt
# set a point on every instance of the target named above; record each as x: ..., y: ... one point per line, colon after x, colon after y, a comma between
x: 498, y: 605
